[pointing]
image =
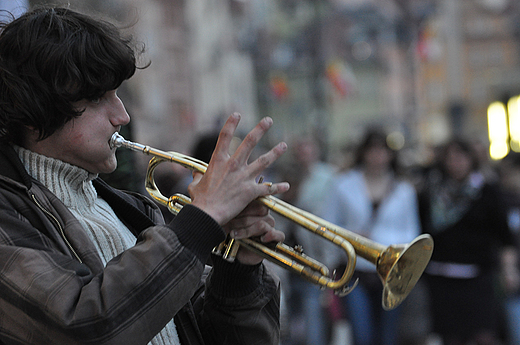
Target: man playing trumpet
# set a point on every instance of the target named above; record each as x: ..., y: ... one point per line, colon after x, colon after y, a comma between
x: 81, y: 262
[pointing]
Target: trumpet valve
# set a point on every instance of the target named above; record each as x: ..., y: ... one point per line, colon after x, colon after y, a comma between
x: 227, y: 249
x: 298, y: 248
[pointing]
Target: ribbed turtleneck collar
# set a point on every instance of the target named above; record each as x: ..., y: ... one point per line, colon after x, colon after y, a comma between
x: 71, y: 184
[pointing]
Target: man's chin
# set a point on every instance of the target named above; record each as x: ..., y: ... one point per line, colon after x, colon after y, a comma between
x: 107, y: 168
x: 111, y: 169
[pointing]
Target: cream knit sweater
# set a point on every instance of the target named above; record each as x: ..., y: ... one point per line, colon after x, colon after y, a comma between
x: 73, y: 186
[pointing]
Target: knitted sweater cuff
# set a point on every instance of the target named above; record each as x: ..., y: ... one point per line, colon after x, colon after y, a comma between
x: 197, y: 231
x: 234, y: 280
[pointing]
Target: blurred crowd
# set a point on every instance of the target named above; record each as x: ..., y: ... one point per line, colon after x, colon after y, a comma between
x: 469, y: 293
x: 468, y: 204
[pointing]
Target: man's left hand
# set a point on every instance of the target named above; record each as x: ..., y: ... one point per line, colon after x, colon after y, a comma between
x: 253, y: 221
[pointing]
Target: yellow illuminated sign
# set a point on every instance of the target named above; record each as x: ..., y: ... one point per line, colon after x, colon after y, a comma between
x: 498, y: 130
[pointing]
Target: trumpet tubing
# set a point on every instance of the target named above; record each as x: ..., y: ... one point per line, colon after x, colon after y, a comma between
x: 399, y: 266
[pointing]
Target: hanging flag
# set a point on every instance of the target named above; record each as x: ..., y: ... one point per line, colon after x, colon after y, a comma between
x: 340, y: 77
x: 278, y: 86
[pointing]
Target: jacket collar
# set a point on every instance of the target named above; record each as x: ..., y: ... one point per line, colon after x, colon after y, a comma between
x: 11, y: 166
x: 125, y: 206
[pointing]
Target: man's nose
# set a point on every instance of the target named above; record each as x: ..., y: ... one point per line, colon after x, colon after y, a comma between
x: 119, y: 114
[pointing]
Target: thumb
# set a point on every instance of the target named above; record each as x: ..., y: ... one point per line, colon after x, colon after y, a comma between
x: 197, y: 176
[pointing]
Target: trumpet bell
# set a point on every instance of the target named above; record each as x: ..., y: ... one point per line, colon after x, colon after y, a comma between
x: 400, y: 268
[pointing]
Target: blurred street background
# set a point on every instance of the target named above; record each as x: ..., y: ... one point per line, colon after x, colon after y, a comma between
x: 425, y: 69
x: 422, y: 70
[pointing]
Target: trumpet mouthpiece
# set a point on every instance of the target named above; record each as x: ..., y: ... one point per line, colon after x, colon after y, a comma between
x: 116, y: 140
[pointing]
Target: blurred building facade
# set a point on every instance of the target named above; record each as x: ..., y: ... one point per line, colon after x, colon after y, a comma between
x: 468, y: 56
x: 197, y: 76
x: 424, y: 68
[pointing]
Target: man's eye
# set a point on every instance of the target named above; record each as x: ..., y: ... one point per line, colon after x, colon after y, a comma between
x: 96, y: 100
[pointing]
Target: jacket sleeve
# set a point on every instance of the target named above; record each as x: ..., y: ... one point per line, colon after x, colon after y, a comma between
x: 241, y: 305
x: 49, y: 297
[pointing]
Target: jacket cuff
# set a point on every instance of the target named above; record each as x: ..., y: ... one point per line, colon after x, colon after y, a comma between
x: 197, y: 231
x: 234, y: 280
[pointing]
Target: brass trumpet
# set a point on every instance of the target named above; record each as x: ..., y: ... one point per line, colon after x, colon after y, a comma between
x: 399, y: 266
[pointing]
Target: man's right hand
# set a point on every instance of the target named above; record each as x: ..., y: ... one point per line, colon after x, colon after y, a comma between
x: 229, y: 184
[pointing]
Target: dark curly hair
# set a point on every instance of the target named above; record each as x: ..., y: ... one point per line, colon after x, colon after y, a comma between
x: 52, y: 57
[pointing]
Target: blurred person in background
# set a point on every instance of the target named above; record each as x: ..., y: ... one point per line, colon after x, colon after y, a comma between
x: 202, y: 150
x: 372, y: 200
x: 466, y: 215
x: 509, y: 176
x: 309, y: 178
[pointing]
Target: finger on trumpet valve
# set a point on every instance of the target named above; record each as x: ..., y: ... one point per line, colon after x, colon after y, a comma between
x: 231, y: 250
x: 227, y: 249
x: 261, y: 181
